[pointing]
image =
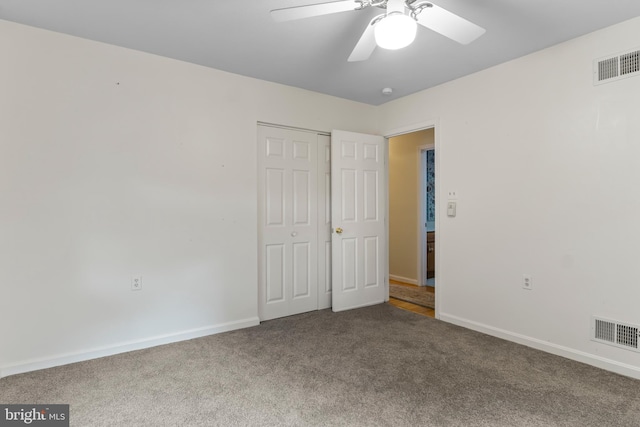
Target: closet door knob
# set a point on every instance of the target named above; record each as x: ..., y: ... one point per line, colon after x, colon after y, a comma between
x: 339, y: 230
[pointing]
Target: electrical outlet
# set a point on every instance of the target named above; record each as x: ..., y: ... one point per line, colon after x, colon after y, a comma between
x: 452, y: 195
x: 526, y: 282
x: 136, y: 283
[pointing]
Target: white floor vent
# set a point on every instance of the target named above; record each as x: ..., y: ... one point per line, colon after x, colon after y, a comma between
x: 612, y: 68
x: 615, y: 333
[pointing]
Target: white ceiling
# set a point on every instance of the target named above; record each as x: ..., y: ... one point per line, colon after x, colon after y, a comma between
x: 240, y: 37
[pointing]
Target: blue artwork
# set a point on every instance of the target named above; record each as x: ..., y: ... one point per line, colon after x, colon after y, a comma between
x: 431, y: 186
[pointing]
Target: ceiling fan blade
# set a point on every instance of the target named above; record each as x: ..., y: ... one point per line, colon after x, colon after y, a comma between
x: 367, y: 43
x: 449, y: 24
x: 300, y: 12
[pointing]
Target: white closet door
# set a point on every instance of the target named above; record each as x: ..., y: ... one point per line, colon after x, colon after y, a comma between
x: 288, y: 232
x: 358, y: 212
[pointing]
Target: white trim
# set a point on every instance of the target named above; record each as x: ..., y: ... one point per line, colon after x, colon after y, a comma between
x: 438, y: 153
x: 95, y: 353
x: 403, y: 279
x: 386, y: 219
x: 411, y: 128
x: 275, y: 125
x: 558, y: 350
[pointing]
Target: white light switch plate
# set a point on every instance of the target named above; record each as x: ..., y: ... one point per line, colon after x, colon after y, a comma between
x: 451, y: 208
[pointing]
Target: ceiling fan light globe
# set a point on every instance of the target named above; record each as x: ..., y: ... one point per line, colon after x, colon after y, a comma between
x: 395, y: 31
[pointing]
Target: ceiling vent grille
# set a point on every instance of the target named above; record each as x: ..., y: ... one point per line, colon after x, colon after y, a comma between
x: 615, y: 333
x: 612, y: 68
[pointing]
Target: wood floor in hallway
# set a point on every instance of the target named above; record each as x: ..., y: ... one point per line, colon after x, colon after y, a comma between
x: 429, y: 312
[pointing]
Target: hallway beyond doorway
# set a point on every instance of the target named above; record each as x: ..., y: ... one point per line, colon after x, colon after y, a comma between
x: 415, y: 308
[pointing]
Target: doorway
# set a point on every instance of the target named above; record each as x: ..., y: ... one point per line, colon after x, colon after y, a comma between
x: 412, y: 221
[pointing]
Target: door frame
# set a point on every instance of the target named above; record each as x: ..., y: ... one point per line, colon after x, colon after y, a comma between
x: 427, y: 124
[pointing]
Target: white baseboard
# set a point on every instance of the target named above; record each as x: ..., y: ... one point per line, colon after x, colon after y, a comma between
x: 65, y: 359
x: 558, y: 350
x: 403, y: 279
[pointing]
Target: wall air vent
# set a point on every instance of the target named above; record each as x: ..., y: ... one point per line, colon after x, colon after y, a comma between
x: 612, y: 68
x: 615, y: 333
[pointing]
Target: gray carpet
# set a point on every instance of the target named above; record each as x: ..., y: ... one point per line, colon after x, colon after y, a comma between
x: 373, y: 366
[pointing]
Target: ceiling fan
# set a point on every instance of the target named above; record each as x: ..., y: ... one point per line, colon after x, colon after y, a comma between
x: 394, y: 29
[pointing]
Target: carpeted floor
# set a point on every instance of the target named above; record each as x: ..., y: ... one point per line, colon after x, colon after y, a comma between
x: 420, y: 295
x: 373, y: 366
